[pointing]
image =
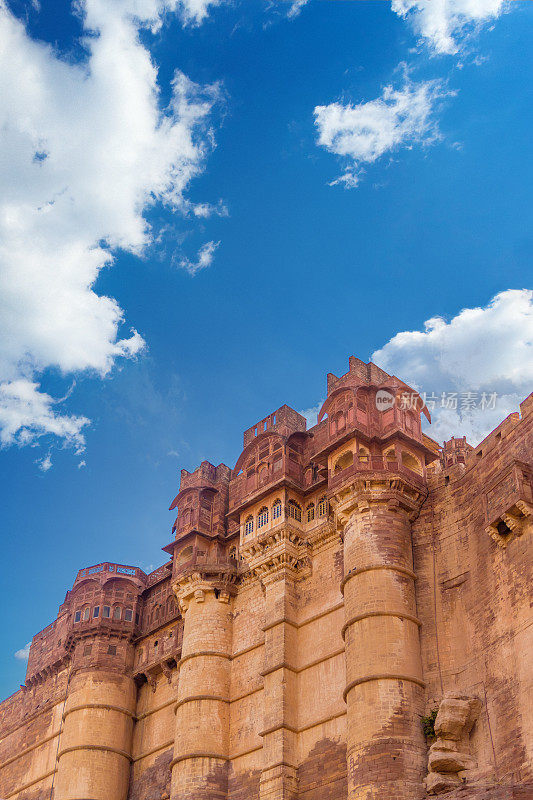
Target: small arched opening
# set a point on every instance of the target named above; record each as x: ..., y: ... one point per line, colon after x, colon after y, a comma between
x: 344, y: 461
x: 412, y: 463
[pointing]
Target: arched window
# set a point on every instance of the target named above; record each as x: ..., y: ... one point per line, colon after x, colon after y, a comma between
x: 340, y: 421
x: 411, y: 462
x: 363, y: 454
x: 128, y: 614
x: 106, y: 611
x: 390, y: 455
x: 262, y: 473
x: 249, y: 525
x: 185, y: 555
x: 322, y: 507
x: 346, y: 460
x: 117, y: 612
x: 310, y: 512
x: 262, y: 517
x: 294, y: 510
x: 77, y: 616
x: 206, y: 501
x: 276, y: 509
x: 86, y: 613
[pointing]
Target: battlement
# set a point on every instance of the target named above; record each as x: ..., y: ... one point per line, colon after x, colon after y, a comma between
x: 283, y: 421
x: 108, y: 568
x: 204, y: 475
x: 359, y: 374
x: 455, y: 451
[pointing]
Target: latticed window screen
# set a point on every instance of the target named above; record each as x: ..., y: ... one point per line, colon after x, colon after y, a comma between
x: 262, y: 517
x: 294, y: 510
x: 322, y: 508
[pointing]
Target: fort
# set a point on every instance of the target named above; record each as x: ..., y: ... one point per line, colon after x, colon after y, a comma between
x: 344, y: 615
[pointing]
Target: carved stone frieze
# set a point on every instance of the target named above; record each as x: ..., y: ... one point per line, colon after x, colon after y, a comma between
x: 193, y: 586
x: 323, y: 536
x: 282, y: 549
x: 360, y: 494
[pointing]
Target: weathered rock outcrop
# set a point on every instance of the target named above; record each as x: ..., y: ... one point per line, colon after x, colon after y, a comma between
x: 449, y: 755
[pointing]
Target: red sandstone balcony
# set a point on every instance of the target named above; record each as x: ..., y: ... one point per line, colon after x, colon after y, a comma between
x: 112, y: 570
x: 368, y: 423
x: 158, y: 654
x: 370, y: 465
x: 213, y: 563
x: 159, y: 574
x: 102, y: 625
x: 246, y: 489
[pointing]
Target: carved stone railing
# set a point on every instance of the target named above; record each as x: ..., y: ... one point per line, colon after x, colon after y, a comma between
x: 369, y: 465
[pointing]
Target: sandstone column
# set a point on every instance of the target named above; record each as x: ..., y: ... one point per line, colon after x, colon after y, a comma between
x: 200, y: 763
x: 278, y: 778
x: 95, y: 746
x: 384, y: 693
x: 275, y: 559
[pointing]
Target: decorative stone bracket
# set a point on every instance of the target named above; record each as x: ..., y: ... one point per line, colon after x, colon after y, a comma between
x: 361, y: 494
x: 283, y: 549
x: 322, y: 535
x: 450, y: 755
x: 193, y: 587
x: 509, y: 504
x: 515, y: 521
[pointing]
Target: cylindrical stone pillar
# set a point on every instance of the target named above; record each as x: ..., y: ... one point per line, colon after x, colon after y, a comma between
x: 384, y: 693
x: 279, y: 775
x: 200, y: 763
x: 95, y: 747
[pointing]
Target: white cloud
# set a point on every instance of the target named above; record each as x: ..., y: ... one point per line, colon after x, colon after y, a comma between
x: 26, y: 414
x: 446, y: 25
x: 295, y: 8
x: 45, y: 463
x: 363, y: 133
x: 480, y: 350
x: 86, y: 149
x: 285, y: 9
x: 194, y: 11
x: 82, y: 464
x: 204, y: 259
x: 23, y: 654
x: 148, y: 13
x: 311, y: 414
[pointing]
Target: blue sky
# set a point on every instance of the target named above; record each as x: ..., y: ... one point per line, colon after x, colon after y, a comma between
x: 208, y: 206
